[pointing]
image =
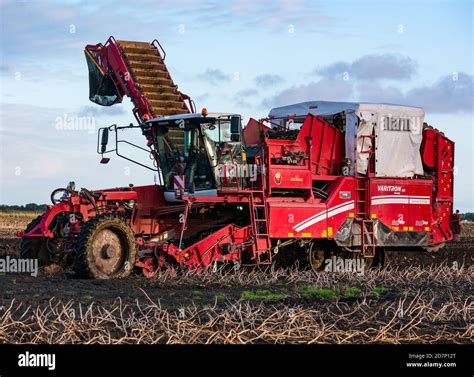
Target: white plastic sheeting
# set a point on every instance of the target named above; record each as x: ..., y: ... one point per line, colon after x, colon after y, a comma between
x: 398, y: 133
x: 398, y: 141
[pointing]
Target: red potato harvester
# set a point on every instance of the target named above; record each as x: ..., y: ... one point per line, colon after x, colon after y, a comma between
x: 318, y: 177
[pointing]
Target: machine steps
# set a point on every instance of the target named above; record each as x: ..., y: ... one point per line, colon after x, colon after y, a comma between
x: 260, y: 227
x: 150, y: 74
x: 367, y: 226
x: 368, y: 238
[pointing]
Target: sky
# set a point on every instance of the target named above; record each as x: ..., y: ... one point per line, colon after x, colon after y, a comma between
x: 237, y: 56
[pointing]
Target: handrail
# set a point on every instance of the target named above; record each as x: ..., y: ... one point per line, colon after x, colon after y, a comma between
x: 111, y: 38
x: 161, y: 47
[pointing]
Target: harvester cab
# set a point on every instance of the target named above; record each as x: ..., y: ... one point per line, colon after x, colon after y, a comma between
x: 194, y: 165
x: 188, y: 151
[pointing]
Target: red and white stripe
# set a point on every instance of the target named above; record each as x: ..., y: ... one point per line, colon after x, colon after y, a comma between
x: 178, y: 182
x: 400, y: 199
x: 330, y: 212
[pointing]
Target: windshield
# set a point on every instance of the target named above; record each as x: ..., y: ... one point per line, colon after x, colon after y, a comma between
x: 214, y: 137
x: 183, y: 152
x: 195, y: 152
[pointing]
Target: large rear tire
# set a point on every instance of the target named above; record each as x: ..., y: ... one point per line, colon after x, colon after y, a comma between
x: 106, y: 249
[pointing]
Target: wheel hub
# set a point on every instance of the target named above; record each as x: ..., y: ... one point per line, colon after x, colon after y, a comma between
x: 108, y: 252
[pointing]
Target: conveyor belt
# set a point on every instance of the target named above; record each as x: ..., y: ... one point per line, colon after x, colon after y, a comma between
x: 152, y: 77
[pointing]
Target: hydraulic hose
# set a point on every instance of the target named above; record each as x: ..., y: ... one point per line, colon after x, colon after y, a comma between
x: 53, y: 194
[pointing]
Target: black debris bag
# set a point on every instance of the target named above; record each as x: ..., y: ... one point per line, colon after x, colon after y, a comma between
x: 101, y: 87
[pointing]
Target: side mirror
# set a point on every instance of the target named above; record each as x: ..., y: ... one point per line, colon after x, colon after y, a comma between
x: 235, y: 128
x: 235, y: 124
x: 104, y: 140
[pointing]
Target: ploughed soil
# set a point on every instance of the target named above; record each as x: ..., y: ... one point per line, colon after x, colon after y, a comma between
x: 419, y: 297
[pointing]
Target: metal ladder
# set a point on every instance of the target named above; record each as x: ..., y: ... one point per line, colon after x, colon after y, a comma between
x: 367, y: 228
x: 360, y: 197
x: 367, y: 238
x: 367, y: 246
x: 258, y: 216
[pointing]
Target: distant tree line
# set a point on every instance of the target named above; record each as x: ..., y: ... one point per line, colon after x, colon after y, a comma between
x: 27, y: 207
x: 469, y: 216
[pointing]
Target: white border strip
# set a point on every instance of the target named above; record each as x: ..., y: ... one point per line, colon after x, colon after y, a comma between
x: 322, y: 213
x: 330, y: 213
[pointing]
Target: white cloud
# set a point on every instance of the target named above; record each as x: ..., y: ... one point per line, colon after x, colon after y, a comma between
x: 449, y: 94
x: 372, y: 67
x: 267, y: 80
x: 324, y: 89
x: 214, y: 76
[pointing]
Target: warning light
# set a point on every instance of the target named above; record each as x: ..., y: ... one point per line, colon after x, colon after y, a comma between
x: 146, y: 117
x: 204, y: 112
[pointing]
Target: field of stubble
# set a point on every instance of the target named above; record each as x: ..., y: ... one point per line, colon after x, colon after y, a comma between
x: 417, y: 298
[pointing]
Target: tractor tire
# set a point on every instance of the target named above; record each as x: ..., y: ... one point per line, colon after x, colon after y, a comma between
x: 317, y: 255
x: 106, y: 249
x: 34, y: 248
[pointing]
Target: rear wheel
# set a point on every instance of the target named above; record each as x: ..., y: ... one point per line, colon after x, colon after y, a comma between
x: 316, y: 257
x: 106, y: 249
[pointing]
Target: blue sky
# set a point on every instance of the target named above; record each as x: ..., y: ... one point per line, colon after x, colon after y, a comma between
x: 234, y: 56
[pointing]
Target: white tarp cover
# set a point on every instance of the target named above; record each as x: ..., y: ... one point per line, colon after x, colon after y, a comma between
x: 398, y: 131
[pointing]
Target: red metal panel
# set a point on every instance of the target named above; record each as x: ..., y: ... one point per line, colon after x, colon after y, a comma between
x: 253, y: 133
x: 444, y: 167
x: 389, y: 200
x: 119, y: 195
x: 428, y: 148
x: 297, y: 220
x: 224, y: 244
x: 286, y: 176
x: 420, y: 207
x: 401, y: 204
x: 315, y: 218
x: 341, y: 203
x: 444, y: 186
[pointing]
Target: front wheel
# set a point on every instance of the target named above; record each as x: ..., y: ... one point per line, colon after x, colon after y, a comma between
x: 106, y: 249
